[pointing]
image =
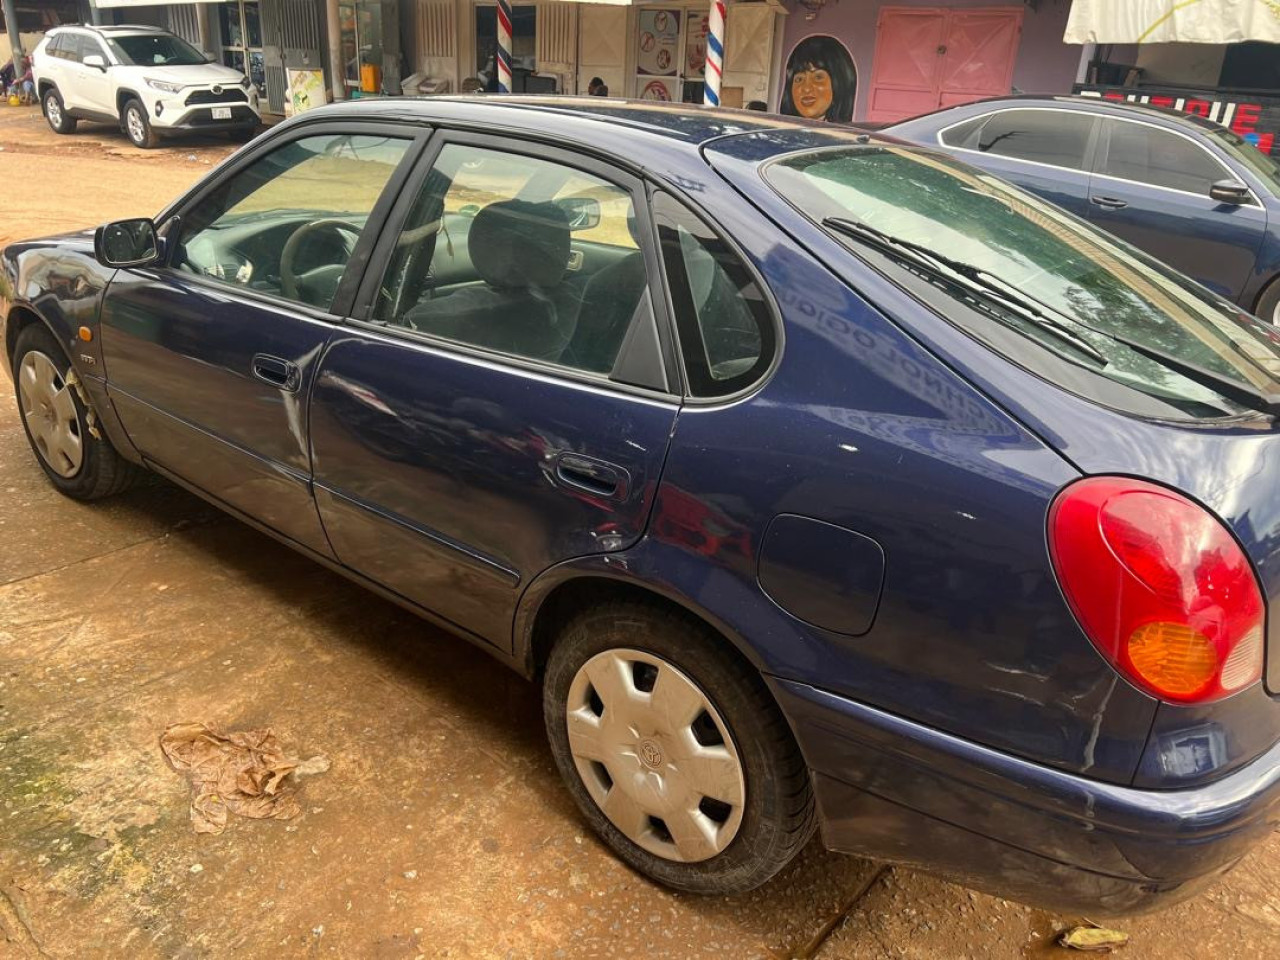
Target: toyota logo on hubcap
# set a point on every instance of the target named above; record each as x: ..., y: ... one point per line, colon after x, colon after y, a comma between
x: 650, y: 753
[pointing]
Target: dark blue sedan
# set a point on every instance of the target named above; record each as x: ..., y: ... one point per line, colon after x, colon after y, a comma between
x: 1184, y: 189
x: 819, y: 479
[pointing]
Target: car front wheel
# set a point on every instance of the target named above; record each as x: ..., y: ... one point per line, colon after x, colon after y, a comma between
x: 79, y: 464
x: 55, y: 112
x: 136, y: 126
x: 674, y: 750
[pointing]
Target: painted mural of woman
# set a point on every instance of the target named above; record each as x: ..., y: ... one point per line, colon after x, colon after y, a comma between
x: 821, y: 81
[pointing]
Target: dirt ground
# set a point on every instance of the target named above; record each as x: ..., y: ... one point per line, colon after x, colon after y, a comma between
x: 440, y: 829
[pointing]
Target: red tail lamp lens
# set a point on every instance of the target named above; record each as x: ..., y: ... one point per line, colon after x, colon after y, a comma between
x: 1160, y: 587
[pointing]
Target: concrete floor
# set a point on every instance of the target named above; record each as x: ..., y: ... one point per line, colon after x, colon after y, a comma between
x: 441, y: 829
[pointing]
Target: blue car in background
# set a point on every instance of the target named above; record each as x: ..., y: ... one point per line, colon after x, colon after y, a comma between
x: 820, y: 479
x: 1184, y: 189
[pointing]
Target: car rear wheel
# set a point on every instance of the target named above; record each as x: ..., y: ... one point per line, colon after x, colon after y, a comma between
x: 1269, y: 303
x: 56, y: 112
x: 136, y: 126
x: 674, y: 750
x: 56, y: 422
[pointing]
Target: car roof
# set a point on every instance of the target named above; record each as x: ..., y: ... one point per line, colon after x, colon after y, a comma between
x: 114, y: 30
x: 1166, y: 116
x: 643, y: 133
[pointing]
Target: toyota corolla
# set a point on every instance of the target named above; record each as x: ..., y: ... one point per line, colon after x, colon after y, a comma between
x: 820, y: 479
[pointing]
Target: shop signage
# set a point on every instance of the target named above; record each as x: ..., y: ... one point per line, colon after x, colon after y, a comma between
x: 1257, y: 119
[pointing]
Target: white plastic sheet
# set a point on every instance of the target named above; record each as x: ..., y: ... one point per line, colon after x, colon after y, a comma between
x: 1166, y: 21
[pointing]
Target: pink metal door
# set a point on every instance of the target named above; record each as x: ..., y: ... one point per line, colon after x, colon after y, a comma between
x: 981, y: 47
x: 931, y: 57
x: 904, y: 73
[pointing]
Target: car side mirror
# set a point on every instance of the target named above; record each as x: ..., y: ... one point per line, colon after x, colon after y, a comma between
x: 1230, y: 191
x: 127, y: 243
x: 94, y: 60
x: 583, y: 212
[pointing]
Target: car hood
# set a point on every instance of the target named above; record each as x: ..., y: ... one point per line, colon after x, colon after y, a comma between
x: 199, y: 74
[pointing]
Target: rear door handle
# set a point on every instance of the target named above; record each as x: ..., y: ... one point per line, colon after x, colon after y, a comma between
x: 276, y: 371
x: 1108, y: 203
x: 594, y: 476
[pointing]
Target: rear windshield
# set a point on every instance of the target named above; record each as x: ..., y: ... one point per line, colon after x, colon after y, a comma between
x: 1091, y: 286
x: 155, y: 50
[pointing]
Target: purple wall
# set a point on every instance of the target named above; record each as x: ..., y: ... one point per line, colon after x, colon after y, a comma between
x: 1044, y: 65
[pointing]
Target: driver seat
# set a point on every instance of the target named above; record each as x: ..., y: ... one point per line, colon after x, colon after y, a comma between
x: 520, y: 250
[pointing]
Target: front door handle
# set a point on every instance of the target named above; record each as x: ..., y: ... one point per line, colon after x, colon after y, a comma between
x: 594, y: 476
x: 1108, y: 203
x: 276, y: 371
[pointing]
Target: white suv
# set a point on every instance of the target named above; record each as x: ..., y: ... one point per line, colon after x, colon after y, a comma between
x: 145, y: 79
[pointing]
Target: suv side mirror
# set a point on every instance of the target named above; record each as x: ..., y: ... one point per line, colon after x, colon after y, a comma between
x: 1230, y: 191
x: 95, y: 60
x: 126, y: 243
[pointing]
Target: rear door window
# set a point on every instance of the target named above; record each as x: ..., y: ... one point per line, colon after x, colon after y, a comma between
x: 521, y: 256
x: 1059, y: 138
x: 1145, y: 154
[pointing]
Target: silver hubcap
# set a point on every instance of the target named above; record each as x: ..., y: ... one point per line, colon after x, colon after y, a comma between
x: 50, y: 414
x: 134, y: 121
x: 53, y: 111
x: 655, y: 755
x: 1275, y: 315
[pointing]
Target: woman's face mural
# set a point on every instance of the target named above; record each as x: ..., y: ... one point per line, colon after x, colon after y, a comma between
x: 811, y: 92
x: 821, y: 81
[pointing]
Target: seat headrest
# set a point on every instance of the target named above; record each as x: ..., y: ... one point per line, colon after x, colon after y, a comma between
x: 515, y: 244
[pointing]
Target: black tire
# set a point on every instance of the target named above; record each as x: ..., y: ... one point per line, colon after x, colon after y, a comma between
x: 136, y: 126
x: 102, y: 471
x: 1269, y: 303
x: 52, y: 106
x: 778, y: 815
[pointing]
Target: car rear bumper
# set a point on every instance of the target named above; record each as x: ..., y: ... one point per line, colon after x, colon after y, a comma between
x: 891, y: 789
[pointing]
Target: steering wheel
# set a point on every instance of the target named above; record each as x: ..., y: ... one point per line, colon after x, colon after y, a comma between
x: 288, y: 278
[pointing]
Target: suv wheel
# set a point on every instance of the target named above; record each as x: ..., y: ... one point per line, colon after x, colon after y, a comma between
x: 136, y: 126
x: 56, y: 422
x: 56, y: 112
x: 674, y: 750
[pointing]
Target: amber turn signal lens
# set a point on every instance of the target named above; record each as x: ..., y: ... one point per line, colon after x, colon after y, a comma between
x: 86, y: 334
x: 1173, y: 657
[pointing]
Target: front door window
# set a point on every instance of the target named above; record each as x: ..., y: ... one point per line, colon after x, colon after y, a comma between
x: 288, y: 223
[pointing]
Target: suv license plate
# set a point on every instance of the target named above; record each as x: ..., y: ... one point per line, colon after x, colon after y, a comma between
x: 222, y: 113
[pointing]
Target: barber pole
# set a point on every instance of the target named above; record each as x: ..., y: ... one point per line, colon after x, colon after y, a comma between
x: 504, y: 46
x: 715, y: 54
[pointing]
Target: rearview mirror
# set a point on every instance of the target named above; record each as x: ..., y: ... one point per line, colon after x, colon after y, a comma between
x: 94, y: 60
x: 126, y: 243
x: 583, y: 212
x: 1230, y: 191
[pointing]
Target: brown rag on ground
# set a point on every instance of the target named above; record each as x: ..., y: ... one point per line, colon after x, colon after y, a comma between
x: 245, y: 773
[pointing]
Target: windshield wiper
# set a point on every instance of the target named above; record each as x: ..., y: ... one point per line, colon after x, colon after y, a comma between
x: 972, y: 279
x: 1243, y: 393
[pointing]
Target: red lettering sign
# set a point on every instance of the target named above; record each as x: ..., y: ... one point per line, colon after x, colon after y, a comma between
x: 1198, y: 107
x: 1246, y: 118
x: 1158, y: 101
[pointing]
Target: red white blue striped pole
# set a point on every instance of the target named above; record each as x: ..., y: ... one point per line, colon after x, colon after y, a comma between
x: 715, y: 55
x: 503, y: 58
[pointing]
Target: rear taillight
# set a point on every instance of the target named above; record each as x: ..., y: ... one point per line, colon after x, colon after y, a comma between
x: 1159, y: 586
